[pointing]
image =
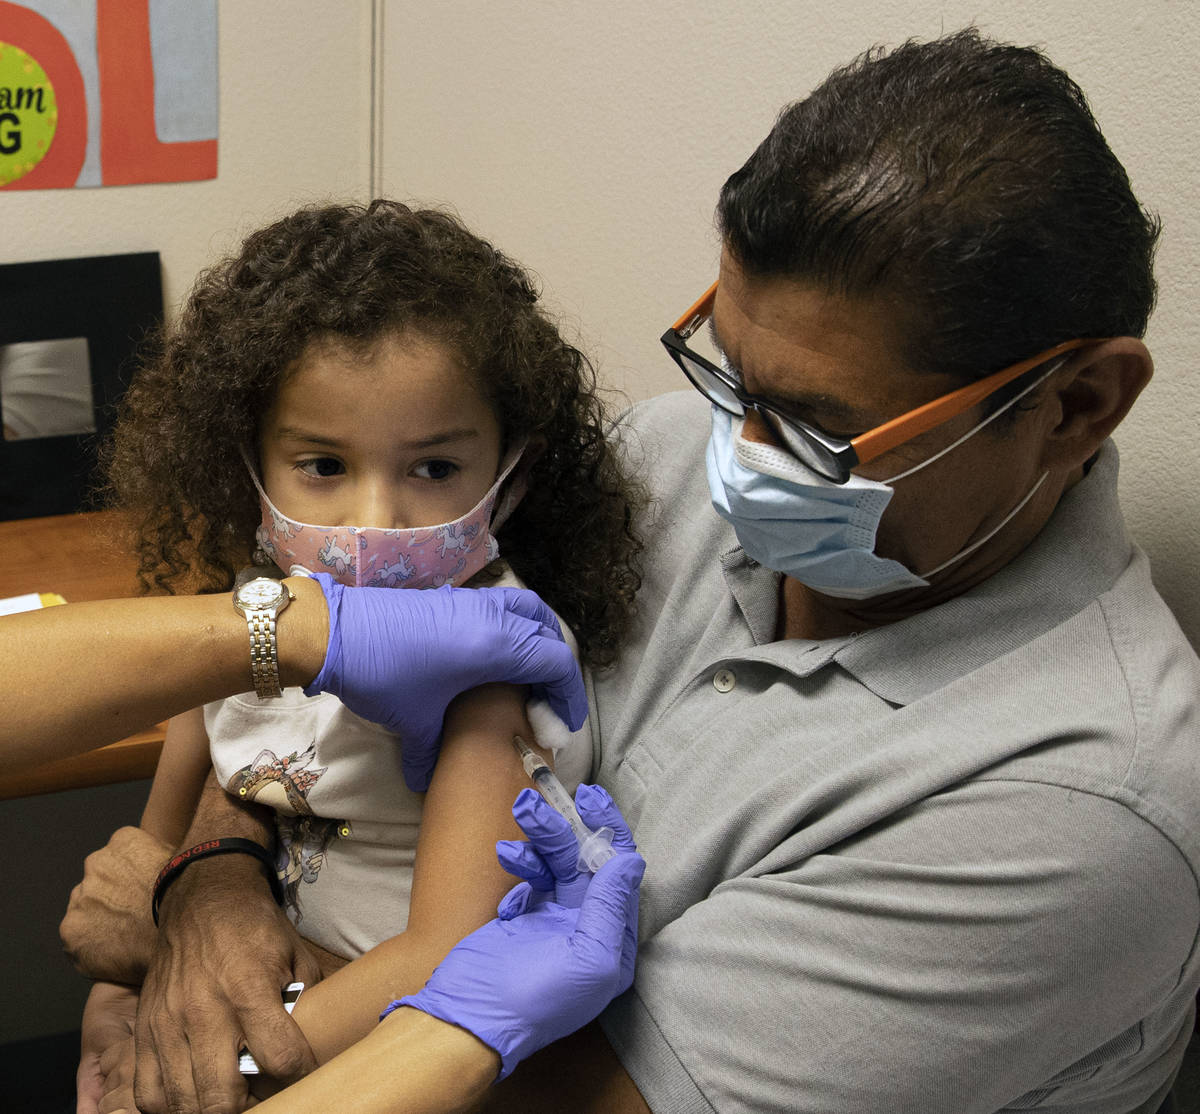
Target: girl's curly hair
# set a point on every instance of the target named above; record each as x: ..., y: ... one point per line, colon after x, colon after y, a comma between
x: 353, y: 274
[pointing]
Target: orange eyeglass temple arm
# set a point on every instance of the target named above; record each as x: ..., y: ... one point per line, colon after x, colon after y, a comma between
x: 878, y: 441
x: 697, y: 314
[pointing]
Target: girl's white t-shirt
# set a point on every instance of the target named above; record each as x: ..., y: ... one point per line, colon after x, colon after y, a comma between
x: 346, y: 822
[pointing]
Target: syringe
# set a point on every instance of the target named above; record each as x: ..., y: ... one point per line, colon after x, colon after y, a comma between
x: 595, y: 847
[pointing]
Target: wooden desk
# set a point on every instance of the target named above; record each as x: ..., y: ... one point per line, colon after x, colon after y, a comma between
x: 79, y: 556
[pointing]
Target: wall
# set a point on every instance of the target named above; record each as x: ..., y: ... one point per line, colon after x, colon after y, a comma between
x: 46, y: 839
x: 295, y: 87
x: 294, y: 127
x: 590, y: 142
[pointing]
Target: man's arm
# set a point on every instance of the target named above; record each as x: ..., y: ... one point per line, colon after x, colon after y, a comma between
x: 225, y: 951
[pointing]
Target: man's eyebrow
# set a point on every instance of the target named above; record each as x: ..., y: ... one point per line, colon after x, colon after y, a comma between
x: 442, y: 437
x: 826, y: 405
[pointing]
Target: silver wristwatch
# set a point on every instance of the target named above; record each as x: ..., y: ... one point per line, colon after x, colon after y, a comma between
x: 260, y: 600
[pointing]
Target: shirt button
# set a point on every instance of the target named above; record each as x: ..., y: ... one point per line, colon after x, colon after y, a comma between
x: 724, y: 680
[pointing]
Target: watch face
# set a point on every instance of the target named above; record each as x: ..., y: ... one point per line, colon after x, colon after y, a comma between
x: 260, y: 592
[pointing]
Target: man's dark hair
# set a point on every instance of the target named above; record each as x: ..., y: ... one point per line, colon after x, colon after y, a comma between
x: 965, y: 178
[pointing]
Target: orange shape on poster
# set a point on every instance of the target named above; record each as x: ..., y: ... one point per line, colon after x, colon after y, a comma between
x: 43, y: 42
x: 130, y: 150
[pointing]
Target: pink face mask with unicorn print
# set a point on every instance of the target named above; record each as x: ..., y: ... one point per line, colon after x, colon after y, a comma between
x: 412, y: 557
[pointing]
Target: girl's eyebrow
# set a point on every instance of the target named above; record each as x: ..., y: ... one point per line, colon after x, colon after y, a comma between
x: 443, y: 437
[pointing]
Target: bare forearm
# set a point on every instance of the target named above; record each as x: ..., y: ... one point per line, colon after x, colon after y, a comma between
x: 224, y: 951
x: 81, y: 676
x: 410, y: 1062
x: 221, y: 880
x: 345, y: 1007
x: 457, y: 881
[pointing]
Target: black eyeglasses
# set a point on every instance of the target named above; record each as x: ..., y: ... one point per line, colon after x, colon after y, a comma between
x: 831, y: 457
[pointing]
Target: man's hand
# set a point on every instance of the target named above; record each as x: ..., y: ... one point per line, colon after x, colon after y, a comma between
x: 107, y: 1024
x: 399, y: 658
x: 225, y: 952
x: 107, y: 930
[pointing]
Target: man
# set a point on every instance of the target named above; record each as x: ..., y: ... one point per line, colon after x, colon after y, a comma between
x: 905, y: 733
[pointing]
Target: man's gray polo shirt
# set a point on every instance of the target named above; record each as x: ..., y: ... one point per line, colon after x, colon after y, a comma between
x: 946, y: 865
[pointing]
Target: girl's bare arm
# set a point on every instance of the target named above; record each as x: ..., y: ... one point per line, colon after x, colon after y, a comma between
x: 457, y: 880
x: 412, y: 1062
x: 182, y: 769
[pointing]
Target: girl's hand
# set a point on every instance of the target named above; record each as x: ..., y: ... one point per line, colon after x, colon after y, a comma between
x: 106, y: 1027
x: 399, y: 657
x: 116, y: 1068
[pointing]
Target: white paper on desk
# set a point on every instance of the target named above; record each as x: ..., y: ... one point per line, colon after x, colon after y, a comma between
x: 31, y: 601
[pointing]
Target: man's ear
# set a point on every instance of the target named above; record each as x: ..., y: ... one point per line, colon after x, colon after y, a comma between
x: 1093, y: 394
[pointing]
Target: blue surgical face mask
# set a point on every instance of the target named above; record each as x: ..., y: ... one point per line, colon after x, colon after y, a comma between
x: 790, y: 519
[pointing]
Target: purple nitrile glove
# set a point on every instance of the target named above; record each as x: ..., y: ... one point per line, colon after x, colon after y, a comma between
x: 399, y: 657
x: 550, y: 862
x: 541, y: 970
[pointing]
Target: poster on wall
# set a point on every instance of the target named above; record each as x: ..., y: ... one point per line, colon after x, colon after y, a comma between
x: 107, y: 92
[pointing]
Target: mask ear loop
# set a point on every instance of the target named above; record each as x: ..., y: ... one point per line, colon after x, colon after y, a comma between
x: 252, y: 470
x: 260, y: 557
x: 990, y: 534
x: 986, y: 421
x: 1017, y: 509
x: 514, y: 482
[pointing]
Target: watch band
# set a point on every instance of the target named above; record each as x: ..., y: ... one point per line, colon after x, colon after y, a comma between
x: 260, y: 598
x: 264, y: 654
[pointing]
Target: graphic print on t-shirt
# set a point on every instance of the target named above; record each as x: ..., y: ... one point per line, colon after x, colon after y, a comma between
x: 283, y: 784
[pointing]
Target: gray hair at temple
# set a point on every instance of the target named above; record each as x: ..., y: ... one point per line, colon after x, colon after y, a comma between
x: 967, y: 181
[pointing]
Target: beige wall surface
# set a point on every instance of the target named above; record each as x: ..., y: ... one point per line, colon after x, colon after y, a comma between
x: 590, y: 142
x: 294, y: 127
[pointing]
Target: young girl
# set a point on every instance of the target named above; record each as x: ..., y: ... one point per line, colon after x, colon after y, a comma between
x: 375, y: 394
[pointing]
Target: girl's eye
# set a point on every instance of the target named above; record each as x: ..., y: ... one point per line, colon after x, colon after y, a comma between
x: 322, y: 467
x: 436, y: 469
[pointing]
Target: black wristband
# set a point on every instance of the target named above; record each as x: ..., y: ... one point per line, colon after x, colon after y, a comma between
x: 176, y: 865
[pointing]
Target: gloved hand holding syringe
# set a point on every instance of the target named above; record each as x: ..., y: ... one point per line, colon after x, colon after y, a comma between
x: 595, y: 847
